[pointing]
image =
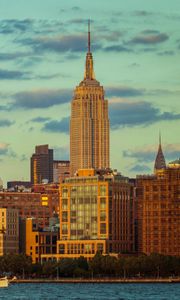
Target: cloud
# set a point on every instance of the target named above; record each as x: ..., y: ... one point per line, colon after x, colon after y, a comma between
x: 79, y: 21
x: 3, y: 108
x: 148, y: 153
x: 126, y: 113
x: 150, y: 39
x: 142, y: 13
x: 40, y: 98
x: 123, y: 91
x: 61, y: 126
x: 14, y: 55
x: 23, y: 157
x: 145, y: 154
x: 76, y: 8
x: 140, y: 168
x: 104, y: 33
x: 51, y: 76
x: 13, y: 75
x: 3, y: 148
x: 72, y: 56
x: 117, y: 48
x: 13, y: 25
x: 6, y: 123
x: 166, y: 53
x: 59, y: 44
x: 7, y: 151
x: 150, y: 31
x: 40, y: 119
x: 61, y: 153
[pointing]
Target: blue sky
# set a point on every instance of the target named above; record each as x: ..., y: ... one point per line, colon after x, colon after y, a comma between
x: 136, y: 50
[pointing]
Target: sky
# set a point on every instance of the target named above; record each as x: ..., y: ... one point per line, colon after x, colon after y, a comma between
x: 136, y: 51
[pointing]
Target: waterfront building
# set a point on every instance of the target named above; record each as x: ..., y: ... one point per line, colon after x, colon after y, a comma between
x: 158, y: 210
x: 96, y: 214
x: 40, y: 206
x: 89, y: 122
x: 42, y: 165
x: 61, y: 170
x: 35, y: 242
x: 9, y: 231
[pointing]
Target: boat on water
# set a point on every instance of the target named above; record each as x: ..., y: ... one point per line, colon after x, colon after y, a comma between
x: 4, y: 282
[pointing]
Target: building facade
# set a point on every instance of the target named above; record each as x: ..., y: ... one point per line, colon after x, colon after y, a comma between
x: 32, y: 205
x: 9, y: 231
x: 42, y: 165
x: 158, y: 211
x: 96, y: 214
x: 61, y: 170
x: 89, y: 123
x: 36, y: 242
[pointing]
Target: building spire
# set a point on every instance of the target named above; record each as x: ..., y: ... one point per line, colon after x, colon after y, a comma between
x: 159, y: 137
x: 89, y: 37
x: 89, y: 71
x: 160, y: 162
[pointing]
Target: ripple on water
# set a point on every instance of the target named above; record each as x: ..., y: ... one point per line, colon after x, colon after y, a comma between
x: 91, y: 291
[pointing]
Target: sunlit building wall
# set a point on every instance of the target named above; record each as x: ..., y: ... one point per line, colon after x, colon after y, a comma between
x: 96, y: 214
x: 158, y: 211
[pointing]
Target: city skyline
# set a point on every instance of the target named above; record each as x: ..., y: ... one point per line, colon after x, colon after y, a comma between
x: 136, y: 48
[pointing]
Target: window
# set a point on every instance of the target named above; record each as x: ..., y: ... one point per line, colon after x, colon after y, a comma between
x: 64, y: 192
x: 64, y: 204
x: 102, y: 228
x: 100, y: 247
x: 103, y: 190
x: 48, y: 239
x: 64, y: 216
x: 103, y: 203
x: 103, y: 215
x: 36, y: 239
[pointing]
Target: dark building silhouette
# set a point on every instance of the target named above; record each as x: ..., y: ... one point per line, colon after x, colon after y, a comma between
x: 18, y: 184
x: 42, y: 165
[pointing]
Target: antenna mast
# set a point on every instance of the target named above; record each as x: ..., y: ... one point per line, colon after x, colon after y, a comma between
x: 89, y: 37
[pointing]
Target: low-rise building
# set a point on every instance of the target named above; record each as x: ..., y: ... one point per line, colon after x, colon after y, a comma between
x: 36, y: 242
x: 32, y: 205
x: 9, y: 231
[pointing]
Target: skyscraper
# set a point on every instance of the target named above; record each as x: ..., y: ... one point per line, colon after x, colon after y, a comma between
x: 89, y: 124
x: 42, y: 164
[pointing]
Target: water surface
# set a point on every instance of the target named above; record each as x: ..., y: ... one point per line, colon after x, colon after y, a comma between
x: 102, y: 291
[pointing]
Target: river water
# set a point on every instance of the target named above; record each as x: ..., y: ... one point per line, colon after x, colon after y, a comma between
x: 78, y: 291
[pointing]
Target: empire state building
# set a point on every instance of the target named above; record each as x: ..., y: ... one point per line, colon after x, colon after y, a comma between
x: 89, y: 123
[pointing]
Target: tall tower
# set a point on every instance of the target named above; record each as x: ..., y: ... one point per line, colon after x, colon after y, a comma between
x: 42, y: 164
x: 89, y: 124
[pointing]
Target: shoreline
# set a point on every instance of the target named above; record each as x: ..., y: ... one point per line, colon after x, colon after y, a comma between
x: 102, y: 280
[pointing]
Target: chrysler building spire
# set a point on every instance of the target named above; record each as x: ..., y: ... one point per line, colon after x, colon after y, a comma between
x: 160, y: 162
